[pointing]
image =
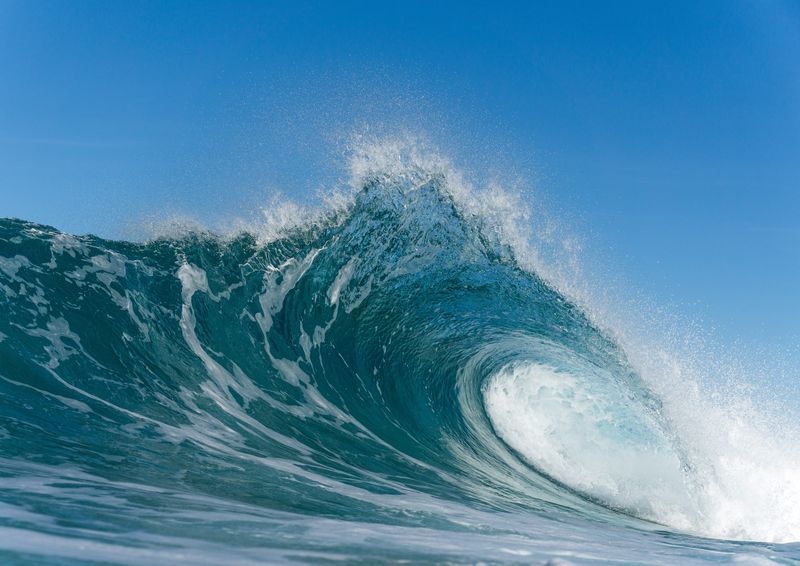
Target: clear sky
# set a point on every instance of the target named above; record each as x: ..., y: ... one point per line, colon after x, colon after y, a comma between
x: 670, y: 133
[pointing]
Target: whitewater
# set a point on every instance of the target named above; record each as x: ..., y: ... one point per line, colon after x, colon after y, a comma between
x: 399, y: 375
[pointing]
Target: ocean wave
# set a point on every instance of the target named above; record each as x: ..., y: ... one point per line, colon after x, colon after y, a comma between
x: 397, y: 375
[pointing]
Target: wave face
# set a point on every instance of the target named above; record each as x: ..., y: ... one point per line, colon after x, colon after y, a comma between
x: 381, y: 382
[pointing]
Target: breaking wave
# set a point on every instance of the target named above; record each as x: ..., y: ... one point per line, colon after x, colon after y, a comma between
x: 397, y: 375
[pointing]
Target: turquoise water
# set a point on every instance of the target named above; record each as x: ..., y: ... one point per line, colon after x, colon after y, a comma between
x: 383, y: 381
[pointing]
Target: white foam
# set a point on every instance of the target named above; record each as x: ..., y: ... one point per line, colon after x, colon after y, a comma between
x: 586, y: 434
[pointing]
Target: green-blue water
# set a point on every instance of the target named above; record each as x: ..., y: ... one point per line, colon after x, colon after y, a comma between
x: 384, y: 383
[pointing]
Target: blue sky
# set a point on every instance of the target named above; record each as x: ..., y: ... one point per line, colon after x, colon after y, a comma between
x: 668, y: 133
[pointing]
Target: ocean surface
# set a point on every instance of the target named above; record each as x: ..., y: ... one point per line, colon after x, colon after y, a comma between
x: 388, y: 379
